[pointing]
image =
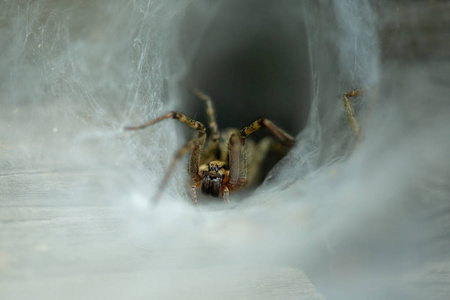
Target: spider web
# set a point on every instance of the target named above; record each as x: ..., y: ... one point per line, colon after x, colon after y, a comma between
x: 354, y: 219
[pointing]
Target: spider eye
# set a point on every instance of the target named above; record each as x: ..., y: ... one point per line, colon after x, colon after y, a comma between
x: 213, y: 167
x: 211, y: 185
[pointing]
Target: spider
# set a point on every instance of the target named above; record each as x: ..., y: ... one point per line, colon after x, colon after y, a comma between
x: 220, y: 165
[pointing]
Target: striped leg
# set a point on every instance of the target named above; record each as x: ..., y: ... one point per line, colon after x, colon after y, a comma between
x: 212, y: 144
x: 195, y: 146
x: 279, y: 133
x: 174, y: 115
x: 238, y: 159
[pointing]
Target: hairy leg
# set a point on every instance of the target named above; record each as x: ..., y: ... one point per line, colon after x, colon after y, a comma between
x: 237, y: 163
x: 256, y: 156
x: 349, y: 110
x: 226, y: 194
x: 174, y: 115
x: 194, y: 145
x: 194, y: 193
x: 212, y: 144
x: 279, y: 133
x: 238, y: 158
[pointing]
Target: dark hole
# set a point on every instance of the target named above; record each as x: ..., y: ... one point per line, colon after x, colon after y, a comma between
x: 251, y: 57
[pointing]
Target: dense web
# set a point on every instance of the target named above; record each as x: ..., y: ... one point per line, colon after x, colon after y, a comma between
x: 354, y: 217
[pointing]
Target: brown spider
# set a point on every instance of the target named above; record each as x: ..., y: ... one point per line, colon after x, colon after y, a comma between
x: 220, y: 165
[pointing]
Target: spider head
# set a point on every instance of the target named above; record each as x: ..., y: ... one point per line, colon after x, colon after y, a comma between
x: 211, y: 185
x: 212, y: 178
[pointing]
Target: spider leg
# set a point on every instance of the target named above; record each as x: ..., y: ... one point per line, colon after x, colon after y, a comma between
x: 257, y: 156
x: 174, y: 115
x: 194, y: 193
x: 212, y: 144
x: 195, y: 146
x: 349, y: 110
x: 211, y: 114
x: 238, y: 158
x: 279, y: 133
x: 237, y: 163
x: 226, y: 193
